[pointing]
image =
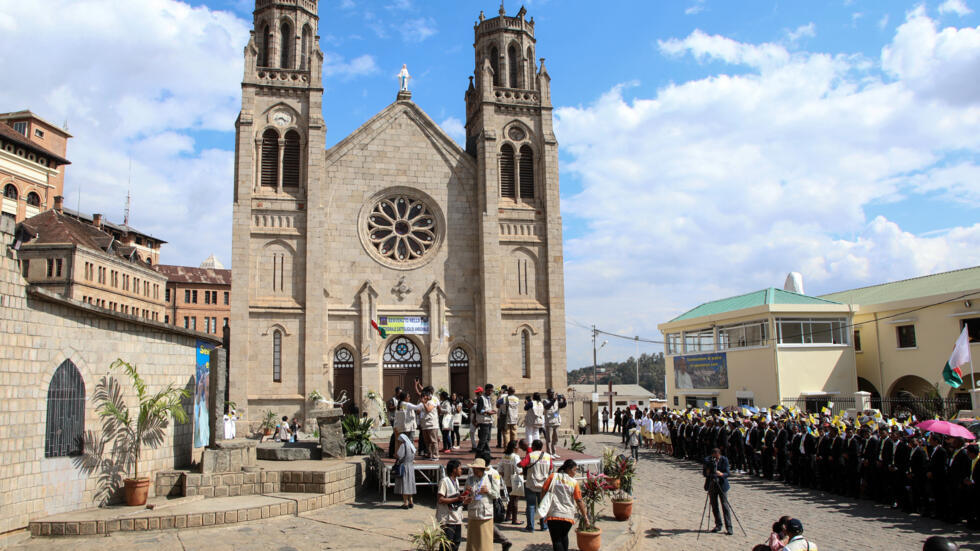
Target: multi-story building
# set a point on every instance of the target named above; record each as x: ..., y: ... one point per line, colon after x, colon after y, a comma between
x: 146, y: 246
x: 83, y: 262
x: 198, y: 298
x: 455, y: 253
x: 32, y: 163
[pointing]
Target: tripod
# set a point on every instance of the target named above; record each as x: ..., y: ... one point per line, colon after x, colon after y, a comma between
x: 724, y: 498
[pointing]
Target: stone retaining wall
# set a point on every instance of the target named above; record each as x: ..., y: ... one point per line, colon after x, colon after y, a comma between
x: 183, y: 483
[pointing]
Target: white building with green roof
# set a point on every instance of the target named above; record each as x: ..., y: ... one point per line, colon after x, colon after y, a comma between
x: 760, y: 349
x: 904, y: 331
x: 774, y: 346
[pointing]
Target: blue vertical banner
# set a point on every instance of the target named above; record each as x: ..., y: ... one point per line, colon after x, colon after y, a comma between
x: 202, y: 381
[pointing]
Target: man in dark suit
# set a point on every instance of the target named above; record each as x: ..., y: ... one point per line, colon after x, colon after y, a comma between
x: 716, y: 474
x: 936, y: 477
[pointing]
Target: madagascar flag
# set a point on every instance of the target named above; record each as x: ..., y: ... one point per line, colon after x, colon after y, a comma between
x: 382, y: 332
x: 952, y: 373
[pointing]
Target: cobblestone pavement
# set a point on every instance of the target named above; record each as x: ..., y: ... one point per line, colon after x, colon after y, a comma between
x: 669, y: 503
x: 670, y: 499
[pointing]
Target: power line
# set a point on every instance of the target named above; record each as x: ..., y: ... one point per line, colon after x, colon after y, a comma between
x: 772, y: 339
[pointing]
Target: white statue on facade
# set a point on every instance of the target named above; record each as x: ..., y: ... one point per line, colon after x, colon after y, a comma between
x: 403, y: 78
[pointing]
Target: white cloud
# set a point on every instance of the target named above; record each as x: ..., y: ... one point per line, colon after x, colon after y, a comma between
x: 334, y: 65
x: 694, y: 10
x: 883, y: 22
x: 809, y: 30
x: 957, y: 7
x: 417, y: 29
x: 454, y: 127
x: 722, y: 185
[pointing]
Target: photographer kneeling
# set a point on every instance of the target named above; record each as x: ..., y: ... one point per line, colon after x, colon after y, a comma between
x: 716, y: 484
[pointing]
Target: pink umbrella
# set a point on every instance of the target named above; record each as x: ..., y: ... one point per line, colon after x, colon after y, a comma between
x: 945, y: 427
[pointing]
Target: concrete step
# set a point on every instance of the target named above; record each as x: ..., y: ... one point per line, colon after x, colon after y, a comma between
x: 288, y: 451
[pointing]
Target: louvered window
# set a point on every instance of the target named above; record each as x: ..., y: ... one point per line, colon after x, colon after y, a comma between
x: 277, y: 356
x: 514, y: 65
x: 290, y: 160
x: 265, y: 48
x: 507, y: 184
x: 495, y: 65
x: 285, y: 41
x: 530, y: 70
x: 66, y: 412
x: 527, y: 173
x: 270, y: 158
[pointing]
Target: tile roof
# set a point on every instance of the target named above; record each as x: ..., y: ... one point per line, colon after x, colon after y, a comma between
x: 8, y: 132
x: 750, y: 300
x: 967, y: 279
x: 190, y: 274
x: 52, y: 227
x: 121, y: 228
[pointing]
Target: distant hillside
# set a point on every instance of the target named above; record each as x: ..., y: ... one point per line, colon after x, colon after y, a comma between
x: 651, y: 373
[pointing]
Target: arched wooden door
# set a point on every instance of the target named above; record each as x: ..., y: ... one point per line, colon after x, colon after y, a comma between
x: 343, y: 376
x: 402, y: 362
x: 459, y: 372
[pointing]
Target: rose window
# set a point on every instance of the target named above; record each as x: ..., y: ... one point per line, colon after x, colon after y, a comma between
x: 401, y: 228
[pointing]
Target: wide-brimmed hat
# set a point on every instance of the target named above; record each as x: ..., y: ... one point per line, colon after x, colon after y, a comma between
x: 478, y: 464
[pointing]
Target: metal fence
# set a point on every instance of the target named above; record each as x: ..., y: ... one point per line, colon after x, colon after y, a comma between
x: 815, y: 404
x: 921, y: 408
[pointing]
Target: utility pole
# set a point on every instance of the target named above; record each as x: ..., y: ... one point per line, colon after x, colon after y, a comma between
x: 595, y: 381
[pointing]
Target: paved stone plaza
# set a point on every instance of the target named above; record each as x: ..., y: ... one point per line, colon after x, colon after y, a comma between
x: 669, y: 507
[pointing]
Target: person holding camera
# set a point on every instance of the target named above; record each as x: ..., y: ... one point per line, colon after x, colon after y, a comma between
x: 716, y: 473
x: 449, y: 507
x: 552, y: 421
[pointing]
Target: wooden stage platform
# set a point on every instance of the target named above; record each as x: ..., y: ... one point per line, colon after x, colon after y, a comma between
x: 429, y: 472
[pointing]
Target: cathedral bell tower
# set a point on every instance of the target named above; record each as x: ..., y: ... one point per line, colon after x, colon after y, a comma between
x: 279, y: 147
x: 510, y: 134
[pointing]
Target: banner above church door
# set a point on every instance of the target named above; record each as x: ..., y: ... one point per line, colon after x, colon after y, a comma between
x: 404, y: 325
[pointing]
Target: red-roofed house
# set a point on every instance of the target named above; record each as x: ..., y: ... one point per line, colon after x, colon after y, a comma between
x: 32, y: 161
x: 198, y: 298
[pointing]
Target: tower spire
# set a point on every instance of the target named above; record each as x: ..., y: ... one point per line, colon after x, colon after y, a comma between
x: 502, y: 11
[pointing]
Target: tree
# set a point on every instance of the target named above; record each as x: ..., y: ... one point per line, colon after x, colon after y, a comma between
x: 652, y: 370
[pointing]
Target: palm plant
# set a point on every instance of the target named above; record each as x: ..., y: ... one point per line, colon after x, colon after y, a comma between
x: 357, y: 435
x: 148, y: 427
x: 431, y: 538
x: 575, y: 445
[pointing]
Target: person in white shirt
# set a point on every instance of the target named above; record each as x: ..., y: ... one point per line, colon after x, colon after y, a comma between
x: 533, y: 418
x: 430, y: 423
x: 794, y: 529
x: 449, y: 508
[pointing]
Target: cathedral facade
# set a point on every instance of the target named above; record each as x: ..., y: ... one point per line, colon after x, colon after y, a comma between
x: 396, y: 254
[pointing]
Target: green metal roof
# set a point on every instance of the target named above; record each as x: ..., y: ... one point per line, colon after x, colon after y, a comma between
x: 751, y: 300
x: 967, y: 279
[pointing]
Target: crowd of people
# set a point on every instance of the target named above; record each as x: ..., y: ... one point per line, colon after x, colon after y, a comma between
x: 430, y: 427
x: 866, y: 457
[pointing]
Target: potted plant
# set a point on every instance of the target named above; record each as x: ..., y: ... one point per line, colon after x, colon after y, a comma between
x: 269, y: 422
x: 622, y: 499
x: 357, y: 435
x: 146, y: 429
x: 431, y: 538
x: 594, y: 489
x: 610, y: 467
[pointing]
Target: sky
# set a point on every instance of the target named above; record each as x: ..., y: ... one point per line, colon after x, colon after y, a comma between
x: 707, y: 148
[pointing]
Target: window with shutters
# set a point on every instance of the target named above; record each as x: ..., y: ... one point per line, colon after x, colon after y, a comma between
x: 290, y: 160
x: 305, y: 45
x: 507, y: 184
x: 495, y: 65
x: 270, y: 158
x: 66, y: 412
x: 513, y: 66
x: 527, y: 172
x: 277, y: 356
x: 285, y: 45
x: 265, y: 47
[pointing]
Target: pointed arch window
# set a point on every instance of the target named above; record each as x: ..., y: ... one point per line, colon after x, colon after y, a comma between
x: 66, y: 412
x: 277, y: 356
x: 513, y: 66
x: 305, y: 45
x: 507, y: 184
x: 527, y: 172
x: 285, y: 48
x: 270, y: 158
x: 530, y: 70
x: 495, y: 65
x: 291, y: 160
x: 525, y: 354
x: 265, y: 46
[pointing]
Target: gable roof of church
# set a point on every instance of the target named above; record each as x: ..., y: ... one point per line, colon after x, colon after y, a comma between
x: 381, y: 121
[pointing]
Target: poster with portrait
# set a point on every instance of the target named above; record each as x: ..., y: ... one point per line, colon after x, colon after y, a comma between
x: 202, y: 378
x: 701, y: 371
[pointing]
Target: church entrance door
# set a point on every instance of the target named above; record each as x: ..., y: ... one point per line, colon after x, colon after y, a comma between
x: 402, y: 362
x: 459, y: 372
x: 343, y: 377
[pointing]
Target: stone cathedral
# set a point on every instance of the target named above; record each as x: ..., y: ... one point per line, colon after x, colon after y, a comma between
x: 455, y: 254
